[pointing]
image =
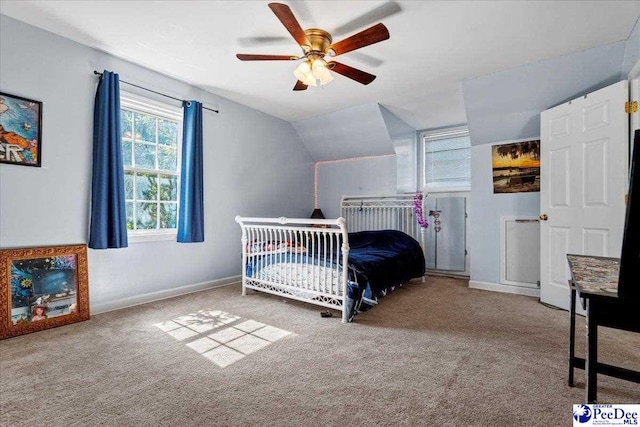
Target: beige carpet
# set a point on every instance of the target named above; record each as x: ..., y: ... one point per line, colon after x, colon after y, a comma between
x: 434, y: 354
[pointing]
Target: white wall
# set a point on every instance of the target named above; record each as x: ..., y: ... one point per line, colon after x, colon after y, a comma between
x: 383, y: 162
x: 485, y: 212
x: 255, y: 165
x: 506, y: 106
x: 358, y: 177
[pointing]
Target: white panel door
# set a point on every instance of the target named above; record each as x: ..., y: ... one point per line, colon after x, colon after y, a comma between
x: 583, y: 181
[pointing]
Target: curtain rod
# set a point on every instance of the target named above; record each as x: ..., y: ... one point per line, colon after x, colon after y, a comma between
x: 98, y: 73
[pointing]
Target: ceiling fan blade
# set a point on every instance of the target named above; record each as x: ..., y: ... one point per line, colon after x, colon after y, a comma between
x: 284, y: 14
x: 374, y: 15
x: 353, y: 73
x: 252, y: 57
x: 371, y: 35
x: 300, y: 86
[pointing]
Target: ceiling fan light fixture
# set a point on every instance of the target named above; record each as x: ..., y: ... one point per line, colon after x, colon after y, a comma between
x: 302, y: 71
x: 304, y: 74
x: 309, y: 80
x: 320, y: 71
x: 328, y: 78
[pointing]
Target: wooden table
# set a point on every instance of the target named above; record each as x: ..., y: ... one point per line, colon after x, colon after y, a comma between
x: 595, y: 280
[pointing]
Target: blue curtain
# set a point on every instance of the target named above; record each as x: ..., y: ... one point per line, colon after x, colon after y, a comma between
x: 191, y: 217
x: 108, y: 213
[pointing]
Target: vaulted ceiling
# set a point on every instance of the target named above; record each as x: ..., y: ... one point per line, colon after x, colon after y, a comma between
x: 434, y: 46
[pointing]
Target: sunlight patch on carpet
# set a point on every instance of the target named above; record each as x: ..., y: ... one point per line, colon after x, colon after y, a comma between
x: 221, y: 337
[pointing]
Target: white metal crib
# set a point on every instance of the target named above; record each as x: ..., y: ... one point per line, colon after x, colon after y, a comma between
x: 302, y: 259
x: 316, y: 278
x: 394, y: 212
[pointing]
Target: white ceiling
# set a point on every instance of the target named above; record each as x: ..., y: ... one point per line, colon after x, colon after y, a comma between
x: 434, y: 45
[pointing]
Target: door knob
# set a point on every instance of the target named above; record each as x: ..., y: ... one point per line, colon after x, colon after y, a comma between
x: 544, y: 217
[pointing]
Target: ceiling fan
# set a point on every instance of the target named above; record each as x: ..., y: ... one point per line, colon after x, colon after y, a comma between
x: 316, y: 44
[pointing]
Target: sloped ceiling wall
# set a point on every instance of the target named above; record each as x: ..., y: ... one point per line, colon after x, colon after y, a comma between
x: 631, y: 51
x: 354, y: 132
x: 507, y: 105
x: 403, y: 139
x: 398, y: 130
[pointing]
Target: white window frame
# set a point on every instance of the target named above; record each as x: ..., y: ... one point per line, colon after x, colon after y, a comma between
x: 454, y: 132
x: 159, y: 109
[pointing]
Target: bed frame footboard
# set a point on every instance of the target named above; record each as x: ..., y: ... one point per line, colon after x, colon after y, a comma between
x: 300, y: 259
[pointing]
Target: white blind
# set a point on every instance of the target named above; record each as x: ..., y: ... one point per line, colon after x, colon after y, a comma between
x: 447, y: 159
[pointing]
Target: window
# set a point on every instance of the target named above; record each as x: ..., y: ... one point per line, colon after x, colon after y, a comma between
x: 151, y: 135
x: 447, y: 159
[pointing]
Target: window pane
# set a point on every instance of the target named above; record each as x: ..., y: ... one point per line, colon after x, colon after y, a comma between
x: 146, y: 186
x: 126, y: 117
x: 128, y: 185
x: 447, y: 161
x: 129, y: 206
x: 168, y: 133
x: 147, y: 216
x: 167, y: 158
x: 168, y: 188
x: 145, y: 127
x: 446, y: 144
x: 447, y: 165
x: 150, y: 152
x: 168, y: 215
x: 126, y: 152
x: 145, y: 155
x: 449, y: 170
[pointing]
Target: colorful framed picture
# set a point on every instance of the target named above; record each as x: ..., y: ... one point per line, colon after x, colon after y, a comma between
x: 516, y: 167
x: 20, y: 130
x: 42, y: 288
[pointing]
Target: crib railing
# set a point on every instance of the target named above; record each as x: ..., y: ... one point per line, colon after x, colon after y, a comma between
x: 297, y: 258
x: 395, y: 212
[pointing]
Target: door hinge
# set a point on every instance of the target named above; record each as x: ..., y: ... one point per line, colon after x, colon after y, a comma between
x: 631, y: 107
x: 626, y: 199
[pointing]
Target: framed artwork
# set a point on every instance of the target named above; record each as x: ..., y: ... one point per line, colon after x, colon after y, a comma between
x: 516, y: 167
x: 20, y: 130
x: 42, y: 288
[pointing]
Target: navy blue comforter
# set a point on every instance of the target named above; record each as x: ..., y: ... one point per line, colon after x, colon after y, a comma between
x: 378, y: 260
x: 385, y: 258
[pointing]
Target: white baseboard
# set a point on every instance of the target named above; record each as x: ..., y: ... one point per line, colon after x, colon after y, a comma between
x: 510, y: 289
x: 442, y: 273
x: 160, y: 295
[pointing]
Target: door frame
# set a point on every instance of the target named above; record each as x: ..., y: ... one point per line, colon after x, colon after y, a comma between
x: 634, y: 95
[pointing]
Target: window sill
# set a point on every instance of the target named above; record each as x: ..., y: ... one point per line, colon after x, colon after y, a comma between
x: 447, y: 190
x: 153, y: 236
